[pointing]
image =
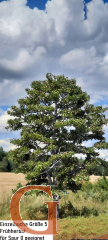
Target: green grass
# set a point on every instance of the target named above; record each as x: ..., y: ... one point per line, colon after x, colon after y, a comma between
x: 82, y: 215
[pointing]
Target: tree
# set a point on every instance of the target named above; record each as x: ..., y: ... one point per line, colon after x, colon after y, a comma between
x: 2, y: 153
x: 98, y: 171
x: 4, y: 165
x: 47, y: 124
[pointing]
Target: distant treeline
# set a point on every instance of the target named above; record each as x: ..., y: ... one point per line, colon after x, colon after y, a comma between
x: 5, y: 164
x: 9, y: 166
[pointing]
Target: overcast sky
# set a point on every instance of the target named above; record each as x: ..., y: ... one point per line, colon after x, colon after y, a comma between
x: 58, y: 37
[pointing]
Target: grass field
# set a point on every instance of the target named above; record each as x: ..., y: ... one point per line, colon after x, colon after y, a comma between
x: 8, y: 182
x: 69, y: 228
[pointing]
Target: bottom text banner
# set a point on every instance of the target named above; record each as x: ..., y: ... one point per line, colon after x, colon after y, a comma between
x: 9, y: 231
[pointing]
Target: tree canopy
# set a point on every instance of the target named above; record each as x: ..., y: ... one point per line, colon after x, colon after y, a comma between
x: 50, y: 107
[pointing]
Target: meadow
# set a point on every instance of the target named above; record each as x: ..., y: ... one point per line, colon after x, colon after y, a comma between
x: 82, y: 215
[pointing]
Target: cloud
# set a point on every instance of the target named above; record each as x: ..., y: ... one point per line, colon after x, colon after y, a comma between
x: 56, y: 40
x: 32, y: 40
x: 23, y: 61
x: 7, y: 146
x: 79, y: 59
x: 3, y: 121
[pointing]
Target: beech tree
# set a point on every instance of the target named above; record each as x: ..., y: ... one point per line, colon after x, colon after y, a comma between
x: 52, y: 106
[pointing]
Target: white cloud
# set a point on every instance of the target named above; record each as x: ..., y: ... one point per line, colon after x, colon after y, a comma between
x: 33, y: 43
x: 7, y: 146
x: 24, y: 60
x: 3, y: 121
x: 80, y: 59
x: 104, y: 62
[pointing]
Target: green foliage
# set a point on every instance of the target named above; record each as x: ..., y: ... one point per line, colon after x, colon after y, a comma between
x: 102, y: 184
x: 37, y: 192
x: 46, y: 124
x: 2, y: 154
x: 11, y: 166
x: 103, y: 196
x: 65, y: 210
x: 98, y: 171
x: 18, y: 186
x: 97, y: 191
x: 86, y: 212
x: 86, y: 186
x: 6, y: 165
x: 34, y: 213
x: 96, y: 195
x: 31, y: 192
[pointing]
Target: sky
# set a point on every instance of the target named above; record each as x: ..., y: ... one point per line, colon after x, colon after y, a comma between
x: 58, y: 37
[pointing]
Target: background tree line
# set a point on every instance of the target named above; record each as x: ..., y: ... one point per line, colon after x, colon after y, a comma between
x: 7, y: 165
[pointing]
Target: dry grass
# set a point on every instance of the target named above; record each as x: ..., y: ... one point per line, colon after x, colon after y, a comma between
x: 8, y: 181
x: 93, y: 178
x: 68, y: 228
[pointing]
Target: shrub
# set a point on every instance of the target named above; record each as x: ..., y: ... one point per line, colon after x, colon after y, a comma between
x: 86, y: 186
x: 103, y: 196
x: 95, y: 212
x: 102, y: 184
x: 38, y: 214
x: 18, y: 186
x: 85, y: 212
